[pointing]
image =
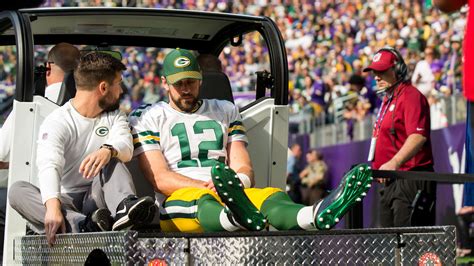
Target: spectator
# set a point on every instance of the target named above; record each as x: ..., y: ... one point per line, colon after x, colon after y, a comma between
x: 423, y: 78
x: 293, y: 169
x: 452, y: 69
x: 437, y: 109
x: 313, y: 178
x: 350, y: 116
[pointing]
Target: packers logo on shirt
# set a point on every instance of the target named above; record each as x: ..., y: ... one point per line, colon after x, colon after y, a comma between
x: 102, y: 131
x: 182, y: 61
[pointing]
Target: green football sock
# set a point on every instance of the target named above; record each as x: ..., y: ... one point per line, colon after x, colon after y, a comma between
x: 282, y: 212
x: 212, y: 215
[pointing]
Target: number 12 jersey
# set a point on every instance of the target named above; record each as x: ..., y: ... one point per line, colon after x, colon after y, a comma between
x: 190, y: 142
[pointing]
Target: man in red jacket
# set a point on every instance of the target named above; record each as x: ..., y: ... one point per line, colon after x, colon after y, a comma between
x: 401, y: 141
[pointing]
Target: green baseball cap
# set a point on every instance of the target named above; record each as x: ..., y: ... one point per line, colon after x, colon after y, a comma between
x: 180, y: 64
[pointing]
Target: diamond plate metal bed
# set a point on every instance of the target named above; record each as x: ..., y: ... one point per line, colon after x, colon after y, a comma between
x: 396, y: 246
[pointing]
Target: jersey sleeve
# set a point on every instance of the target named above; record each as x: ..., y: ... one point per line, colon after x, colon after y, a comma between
x: 145, y: 130
x: 236, y: 131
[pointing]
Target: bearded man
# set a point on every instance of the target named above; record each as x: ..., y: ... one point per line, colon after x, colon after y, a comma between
x: 81, y: 150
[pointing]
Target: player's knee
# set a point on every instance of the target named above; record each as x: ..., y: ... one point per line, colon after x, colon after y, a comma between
x: 210, y: 195
x: 15, y: 192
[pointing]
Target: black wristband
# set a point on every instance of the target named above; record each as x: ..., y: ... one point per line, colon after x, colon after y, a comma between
x: 111, y: 148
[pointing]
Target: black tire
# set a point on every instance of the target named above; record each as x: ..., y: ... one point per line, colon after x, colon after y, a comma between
x: 97, y: 257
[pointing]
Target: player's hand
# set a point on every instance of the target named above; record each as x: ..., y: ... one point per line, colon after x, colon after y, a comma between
x: 95, y: 161
x: 210, y: 185
x: 53, y: 220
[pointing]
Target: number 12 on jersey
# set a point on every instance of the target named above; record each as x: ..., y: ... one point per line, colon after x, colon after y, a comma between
x: 179, y: 131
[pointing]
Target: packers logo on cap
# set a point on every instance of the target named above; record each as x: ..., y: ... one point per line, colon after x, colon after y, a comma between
x: 180, y: 64
x: 182, y: 61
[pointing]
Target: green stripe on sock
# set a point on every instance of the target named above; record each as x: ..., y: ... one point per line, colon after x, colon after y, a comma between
x: 170, y: 216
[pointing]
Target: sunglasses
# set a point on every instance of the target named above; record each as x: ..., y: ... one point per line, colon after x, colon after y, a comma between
x: 115, y: 54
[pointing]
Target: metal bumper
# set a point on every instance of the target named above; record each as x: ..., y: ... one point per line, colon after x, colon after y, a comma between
x: 397, y: 246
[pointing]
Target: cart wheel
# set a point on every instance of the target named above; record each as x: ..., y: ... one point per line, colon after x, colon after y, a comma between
x: 97, y: 257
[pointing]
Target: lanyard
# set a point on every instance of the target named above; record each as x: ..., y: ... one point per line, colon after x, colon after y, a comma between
x: 381, y: 115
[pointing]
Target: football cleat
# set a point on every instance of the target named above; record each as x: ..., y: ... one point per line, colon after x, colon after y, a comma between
x: 353, y: 187
x: 232, y: 194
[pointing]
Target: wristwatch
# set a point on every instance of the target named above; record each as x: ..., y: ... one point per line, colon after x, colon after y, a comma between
x: 111, y: 148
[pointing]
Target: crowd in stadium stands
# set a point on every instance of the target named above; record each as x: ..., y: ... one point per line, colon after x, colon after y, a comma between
x: 328, y: 44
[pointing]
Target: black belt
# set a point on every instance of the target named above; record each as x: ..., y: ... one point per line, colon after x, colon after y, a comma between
x: 430, y: 176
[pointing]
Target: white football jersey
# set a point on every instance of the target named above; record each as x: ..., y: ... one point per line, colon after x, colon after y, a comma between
x: 190, y: 142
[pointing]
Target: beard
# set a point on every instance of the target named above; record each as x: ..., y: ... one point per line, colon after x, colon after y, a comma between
x: 185, y: 105
x: 108, y: 104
